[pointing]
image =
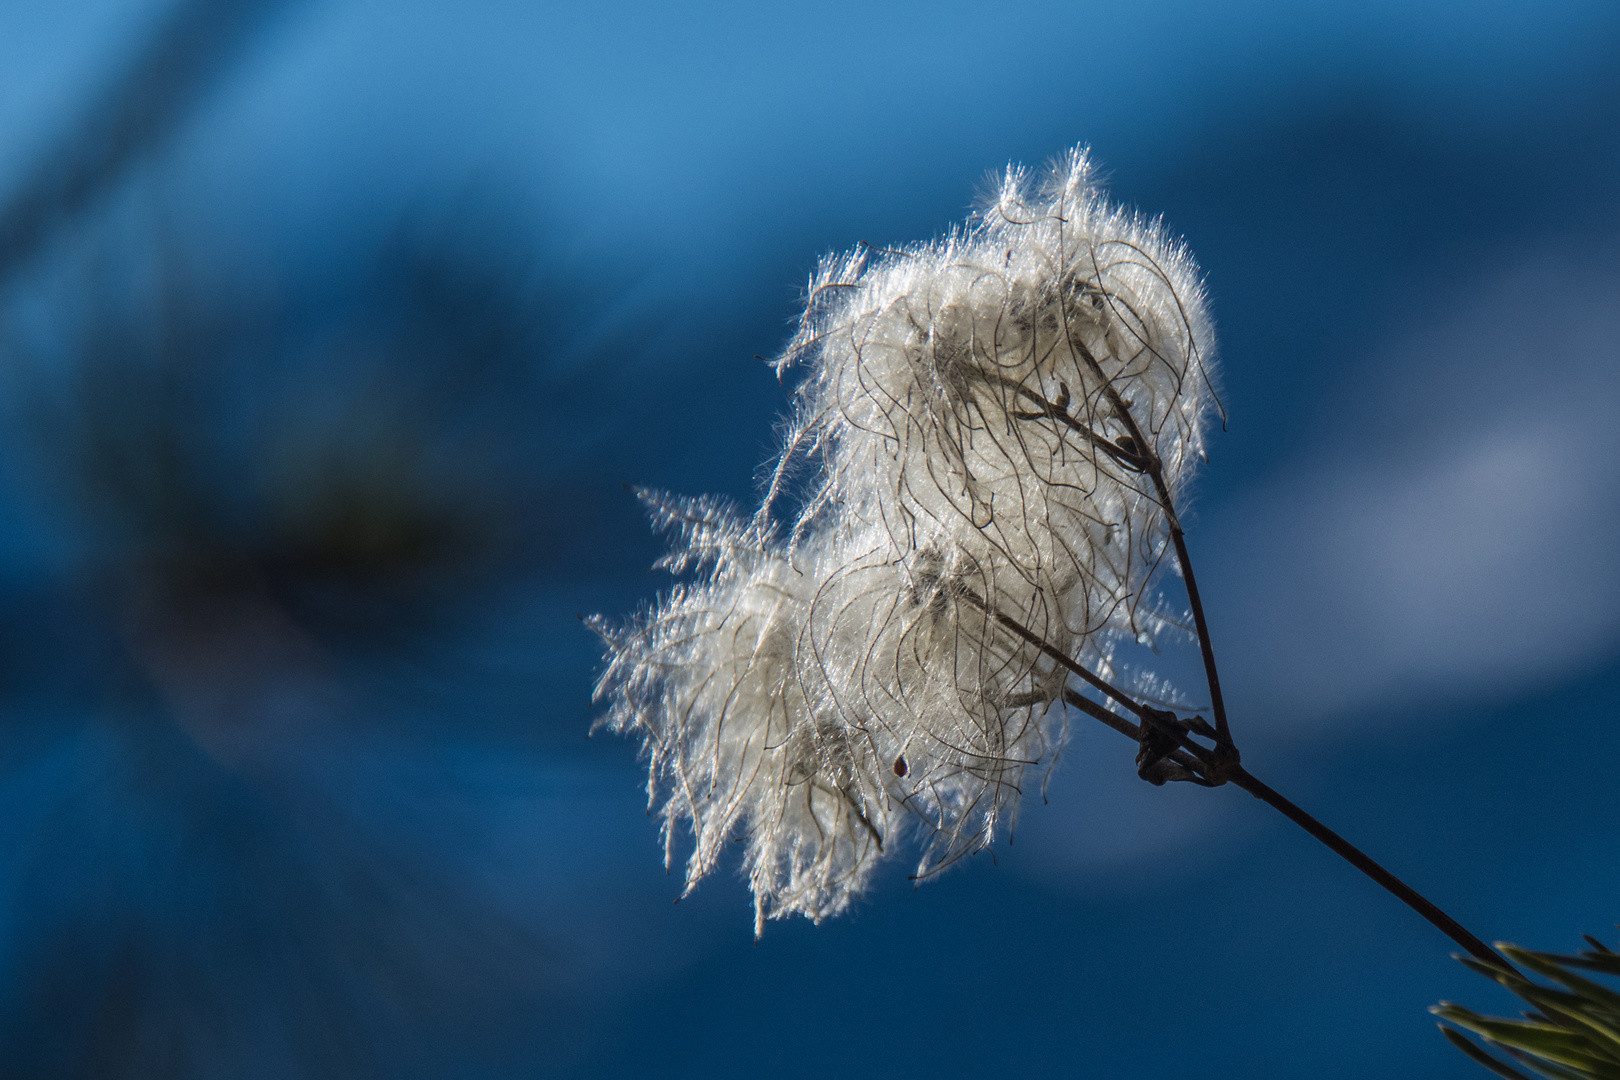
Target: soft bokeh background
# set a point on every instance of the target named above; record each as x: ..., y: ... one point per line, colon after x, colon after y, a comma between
x: 331, y: 329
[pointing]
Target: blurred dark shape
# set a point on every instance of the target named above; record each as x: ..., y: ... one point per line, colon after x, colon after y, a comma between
x: 280, y: 522
x: 349, y: 485
x: 168, y: 79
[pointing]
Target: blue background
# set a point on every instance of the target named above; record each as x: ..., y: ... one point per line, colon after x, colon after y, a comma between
x: 316, y: 420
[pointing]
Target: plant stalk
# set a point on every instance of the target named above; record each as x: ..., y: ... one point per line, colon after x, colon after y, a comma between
x: 1361, y: 861
x: 1211, y: 767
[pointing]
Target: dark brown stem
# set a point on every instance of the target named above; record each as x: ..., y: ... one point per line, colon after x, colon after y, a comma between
x: 1235, y: 772
x: 1192, y: 768
x: 1361, y: 861
x: 1058, y: 655
x: 1155, y: 469
x: 1139, y: 457
x: 1220, y: 764
x: 1217, y: 703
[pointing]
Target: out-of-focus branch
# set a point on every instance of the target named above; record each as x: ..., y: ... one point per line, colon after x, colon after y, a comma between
x: 135, y: 113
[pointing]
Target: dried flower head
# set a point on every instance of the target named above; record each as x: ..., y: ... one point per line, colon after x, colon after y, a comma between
x: 991, y: 424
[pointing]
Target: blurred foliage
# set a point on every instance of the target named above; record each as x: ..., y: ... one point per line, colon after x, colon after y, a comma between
x: 1572, y: 1030
x: 270, y: 543
x: 375, y: 467
x: 246, y: 535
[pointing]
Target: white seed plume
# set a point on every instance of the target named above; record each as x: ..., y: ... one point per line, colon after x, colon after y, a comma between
x: 968, y: 425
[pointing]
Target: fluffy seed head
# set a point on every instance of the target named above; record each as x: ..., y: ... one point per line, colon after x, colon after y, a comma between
x: 983, y: 425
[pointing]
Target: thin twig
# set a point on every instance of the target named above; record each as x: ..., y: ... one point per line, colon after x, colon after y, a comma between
x: 1220, y: 765
x: 1361, y: 861
x: 1061, y: 657
x: 1193, y: 768
x: 1233, y: 770
x: 1140, y: 455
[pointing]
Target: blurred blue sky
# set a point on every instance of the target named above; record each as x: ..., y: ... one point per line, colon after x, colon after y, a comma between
x: 249, y: 836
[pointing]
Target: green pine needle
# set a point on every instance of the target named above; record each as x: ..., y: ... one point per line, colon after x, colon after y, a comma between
x: 1573, y: 1030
